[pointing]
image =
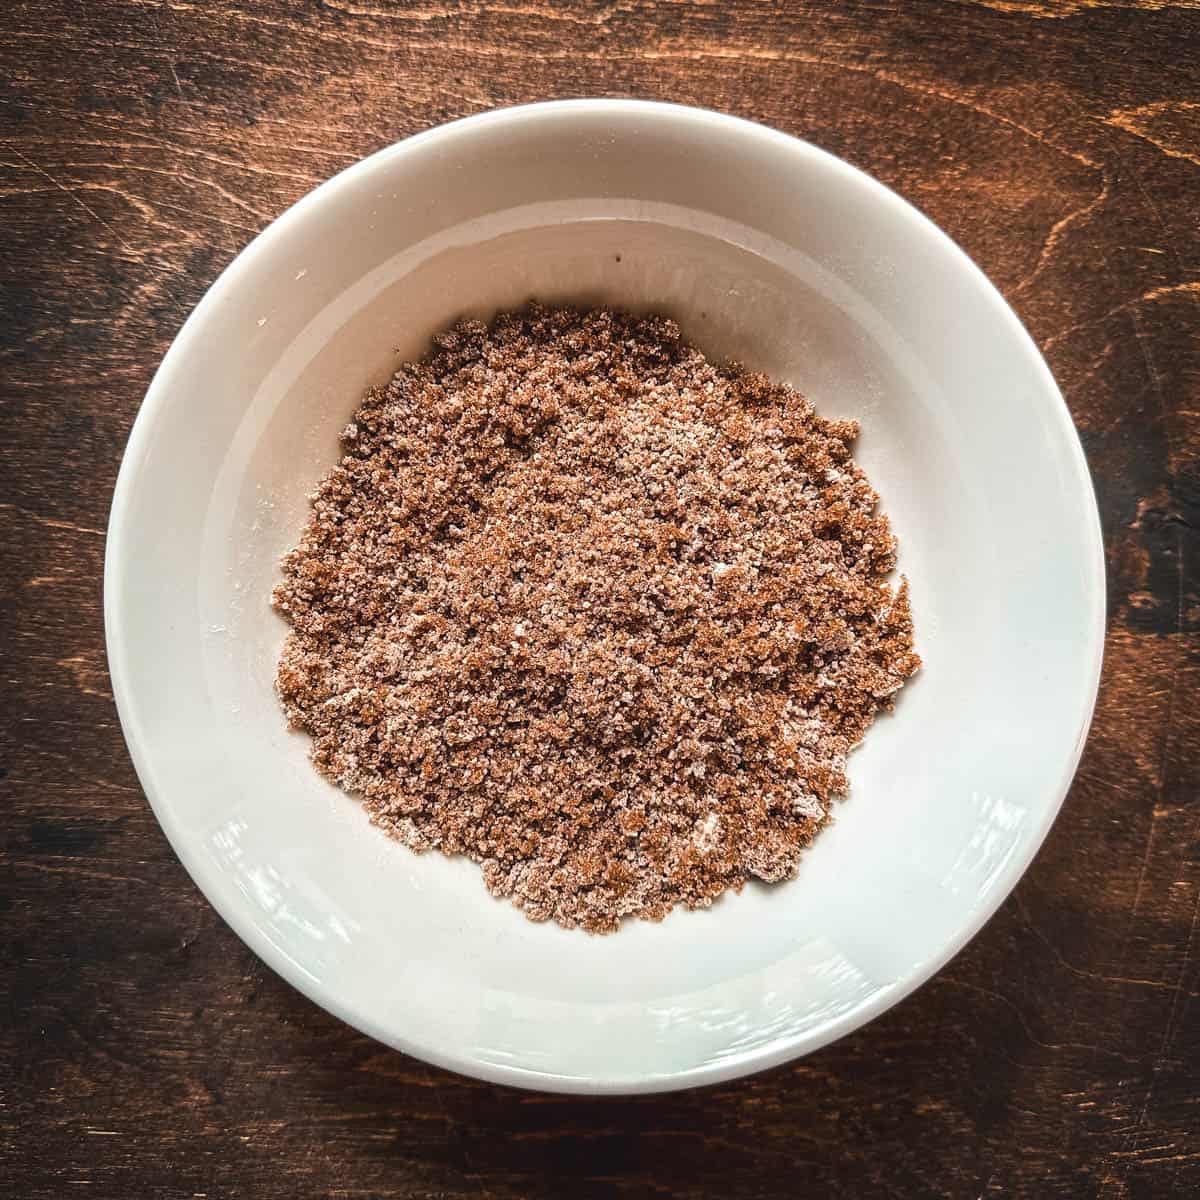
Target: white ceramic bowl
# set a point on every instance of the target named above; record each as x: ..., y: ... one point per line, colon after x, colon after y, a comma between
x: 765, y: 249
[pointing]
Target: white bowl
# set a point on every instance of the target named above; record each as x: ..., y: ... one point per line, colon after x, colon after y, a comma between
x: 765, y: 249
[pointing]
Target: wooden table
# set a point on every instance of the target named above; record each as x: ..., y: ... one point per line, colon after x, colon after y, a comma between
x: 146, y: 1052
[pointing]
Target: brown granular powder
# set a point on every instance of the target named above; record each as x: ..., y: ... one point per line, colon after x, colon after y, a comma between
x: 595, y: 612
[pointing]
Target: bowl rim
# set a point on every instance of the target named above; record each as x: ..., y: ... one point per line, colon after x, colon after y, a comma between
x: 203, y: 874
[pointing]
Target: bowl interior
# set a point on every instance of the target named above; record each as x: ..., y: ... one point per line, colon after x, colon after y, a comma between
x: 765, y: 250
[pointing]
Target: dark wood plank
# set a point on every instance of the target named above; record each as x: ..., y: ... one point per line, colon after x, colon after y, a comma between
x: 143, y: 1050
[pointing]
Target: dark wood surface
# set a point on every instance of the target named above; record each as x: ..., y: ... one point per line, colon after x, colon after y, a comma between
x: 145, y: 1051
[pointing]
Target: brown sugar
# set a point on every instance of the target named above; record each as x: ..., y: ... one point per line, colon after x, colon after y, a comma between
x: 601, y: 615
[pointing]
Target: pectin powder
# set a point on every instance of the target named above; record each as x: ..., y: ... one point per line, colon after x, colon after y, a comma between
x: 595, y: 612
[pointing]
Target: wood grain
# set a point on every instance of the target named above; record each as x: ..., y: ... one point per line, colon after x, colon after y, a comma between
x: 145, y: 1051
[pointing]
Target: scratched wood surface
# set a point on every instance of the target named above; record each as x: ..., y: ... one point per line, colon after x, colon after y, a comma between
x: 144, y: 1052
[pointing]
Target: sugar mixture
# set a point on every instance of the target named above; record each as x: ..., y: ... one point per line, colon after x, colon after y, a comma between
x: 601, y: 615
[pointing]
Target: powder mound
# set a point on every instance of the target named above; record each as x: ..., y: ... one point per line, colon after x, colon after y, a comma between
x: 595, y: 612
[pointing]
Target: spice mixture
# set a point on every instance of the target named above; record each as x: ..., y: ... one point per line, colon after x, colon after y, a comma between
x: 600, y: 614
